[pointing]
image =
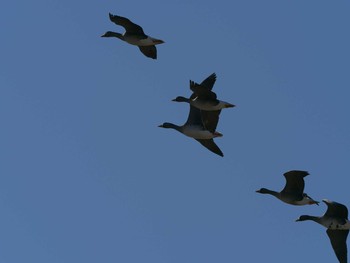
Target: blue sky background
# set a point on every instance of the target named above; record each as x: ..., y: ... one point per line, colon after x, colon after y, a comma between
x: 87, y: 176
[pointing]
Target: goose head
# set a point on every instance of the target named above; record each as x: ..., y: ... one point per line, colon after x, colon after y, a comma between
x: 305, y: 218
x: 112, y: 34
x: 263, y: 191
x: 181, y: 99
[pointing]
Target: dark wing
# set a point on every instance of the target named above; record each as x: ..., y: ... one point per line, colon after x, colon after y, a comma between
x: 295, y: 182
x: 210, y: 119
x: 338, y: 241
x: 194, y: 117
x: 129, y: 26
x: 211, y: 146
x: 209, y: 82
x: 149, y: 51
x: 335, y: 209
x: 193, y: 96
x: 201, y: 91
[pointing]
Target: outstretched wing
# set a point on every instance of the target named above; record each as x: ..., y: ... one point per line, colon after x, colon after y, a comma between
x: 201, y: 91
x: 210, y: 119
x: 211, y: 146
x: 338, y: 241
x: 295, y: 182
x: 209, y: 81
x: 129, y: 26
x: 194, y: 117
x: 335, y: 209
x: 149, y: 51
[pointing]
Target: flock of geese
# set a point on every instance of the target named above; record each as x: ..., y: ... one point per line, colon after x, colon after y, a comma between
x: 335, y: 218
x: 201, y: 125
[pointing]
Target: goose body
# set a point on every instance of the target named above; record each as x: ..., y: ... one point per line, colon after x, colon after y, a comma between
x: 200, y: 126
x: 293, y: 192
x: 203, y: 104
x: 134, y: 35
x: 203, y: 97
x: 209, y: 106
x: 337, y: 223
x: 192, y: 131
x: 289, y: 198
x: 139, y: 41
x: 197, y: 132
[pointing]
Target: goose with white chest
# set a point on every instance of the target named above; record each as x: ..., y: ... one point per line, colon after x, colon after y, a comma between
x: 201, y: 126
x: 203, y: 97
x: 337, y: 223
x: 134, y: 35
x: 293, y: 192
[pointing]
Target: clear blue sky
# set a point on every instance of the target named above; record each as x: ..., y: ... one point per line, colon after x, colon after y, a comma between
x: 87, y: 176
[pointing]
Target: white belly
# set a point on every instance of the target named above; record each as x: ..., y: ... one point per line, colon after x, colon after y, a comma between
x: 304, y: 201
x: 139, y: 42
x: 335, y: 225
x: 208, y: 106
x: 197, y: 132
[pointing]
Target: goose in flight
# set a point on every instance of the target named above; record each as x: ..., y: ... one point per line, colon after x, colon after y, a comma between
x: 201, y: 126
x: 337, y: 223
x: 293, y: 191
x: 203, y: 97
x: 134, y: 35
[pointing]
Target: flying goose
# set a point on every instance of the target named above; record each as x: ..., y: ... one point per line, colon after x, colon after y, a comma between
x: 134, y: 35
x: 203, y: 97
x: 200, y: 125
x: 293, y: 192
x: 336, y: 221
